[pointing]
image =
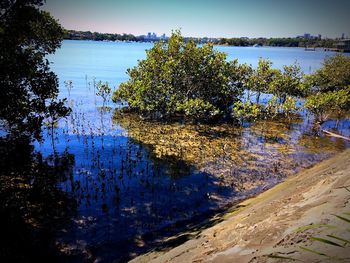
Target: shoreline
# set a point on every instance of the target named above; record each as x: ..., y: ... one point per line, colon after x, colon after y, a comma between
x: 266, y: 224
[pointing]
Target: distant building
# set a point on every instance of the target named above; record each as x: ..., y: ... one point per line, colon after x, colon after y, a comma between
x: 342, y: 36
x: 307, y: 36
x: 151, y: 36
x: 343, y: 45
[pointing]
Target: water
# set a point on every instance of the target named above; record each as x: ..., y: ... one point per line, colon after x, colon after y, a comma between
x: 132, y: 182
x: 108, y: 61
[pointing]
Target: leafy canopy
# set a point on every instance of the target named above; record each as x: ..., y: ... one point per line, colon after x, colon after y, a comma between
x: 183, y: 78
x: 329, y: 89
x: 29, y: 89
x: 333, y: 75
x: 289, y: 82
x: 260, y: 78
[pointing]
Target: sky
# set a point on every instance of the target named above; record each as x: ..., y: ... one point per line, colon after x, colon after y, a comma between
x: 211, y: 18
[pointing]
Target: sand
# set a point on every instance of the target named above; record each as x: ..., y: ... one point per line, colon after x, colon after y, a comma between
x: 267, y: 224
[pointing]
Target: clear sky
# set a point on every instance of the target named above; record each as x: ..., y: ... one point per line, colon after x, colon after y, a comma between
x: 212, y: 18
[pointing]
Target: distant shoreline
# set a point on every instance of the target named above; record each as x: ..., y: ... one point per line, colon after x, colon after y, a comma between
x: 317, y: 49
x: 238, y: 42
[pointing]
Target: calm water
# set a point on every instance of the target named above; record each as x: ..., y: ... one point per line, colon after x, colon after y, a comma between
x: 135, y: 182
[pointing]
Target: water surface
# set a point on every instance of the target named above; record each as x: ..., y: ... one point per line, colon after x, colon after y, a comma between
x: 135, y: 182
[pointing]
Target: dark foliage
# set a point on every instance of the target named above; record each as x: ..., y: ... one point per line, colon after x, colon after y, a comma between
x: 29, y: 89
x: 32, y: 208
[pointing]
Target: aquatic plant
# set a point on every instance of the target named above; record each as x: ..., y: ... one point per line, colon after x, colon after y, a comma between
x: 178, y: 75
x: 329, y: 89
x: 324, y: 104
x: 69, y: 85
x: 104, y: 91
x: 261, y: 78
x: 246, y: 111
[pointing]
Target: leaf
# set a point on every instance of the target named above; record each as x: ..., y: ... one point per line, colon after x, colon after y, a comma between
x: 343, y: 218
x: 326, y: 241
x: 313, y: 251
x: 281, y: 257
x: 303, y: 228
x: 340, y: 239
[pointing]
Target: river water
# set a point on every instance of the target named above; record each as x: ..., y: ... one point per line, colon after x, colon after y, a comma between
x: 134, y: 183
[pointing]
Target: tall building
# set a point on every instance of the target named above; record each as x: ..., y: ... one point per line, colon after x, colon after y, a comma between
x: 307, y: 36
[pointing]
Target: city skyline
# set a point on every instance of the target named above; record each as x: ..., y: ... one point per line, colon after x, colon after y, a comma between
x: 195, y: 18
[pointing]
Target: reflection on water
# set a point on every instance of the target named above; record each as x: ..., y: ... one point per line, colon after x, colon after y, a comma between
x: 108, y: 186
x: 33, y: 210
x: 136, y: 182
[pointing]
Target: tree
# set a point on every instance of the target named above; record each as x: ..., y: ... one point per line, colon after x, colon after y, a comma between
x: 104, y: 91
x: 289, y: 82
x: 329, y: 89
x: 333, y: 75
x: 261, y: 78
x: 177, y: 76
x: 322, y: 105
x: 28, y: 88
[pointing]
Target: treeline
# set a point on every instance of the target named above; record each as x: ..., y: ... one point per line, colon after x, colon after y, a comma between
x: 88, y: 35
x: 242, y: 42
x: 278, y: 42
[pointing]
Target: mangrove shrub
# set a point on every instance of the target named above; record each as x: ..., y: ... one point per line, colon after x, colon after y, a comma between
x: 181, y: 78
x: 329, y: 89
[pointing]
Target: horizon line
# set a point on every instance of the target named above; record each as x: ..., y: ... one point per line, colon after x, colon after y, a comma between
x: 217, y: 37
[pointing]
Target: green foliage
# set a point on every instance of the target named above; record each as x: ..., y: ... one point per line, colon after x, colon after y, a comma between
x: 288, y: 82
x: 28, y: 88
x: 332, y: 76
x: 246, y: 111
x: 278, y: 42
x: 262, y: 77
x: 289, y: 107
x: 104, y: 91
x: 322, y: 105
x: 275, y: 109
x: 178, y: 75
x: 197, y: 109
x: 272, y: 108
x: 329, y: 89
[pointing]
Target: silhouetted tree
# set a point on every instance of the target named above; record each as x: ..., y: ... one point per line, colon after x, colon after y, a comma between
x: 28, y: 88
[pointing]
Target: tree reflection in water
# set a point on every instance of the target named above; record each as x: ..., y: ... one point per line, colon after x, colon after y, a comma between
x: 32, y: 210
x: 112, y: 188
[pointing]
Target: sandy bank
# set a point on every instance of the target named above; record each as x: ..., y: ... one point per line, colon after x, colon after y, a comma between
x: 267, y: 224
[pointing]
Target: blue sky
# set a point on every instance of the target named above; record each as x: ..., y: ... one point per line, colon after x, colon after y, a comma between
x: 212, y: 18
